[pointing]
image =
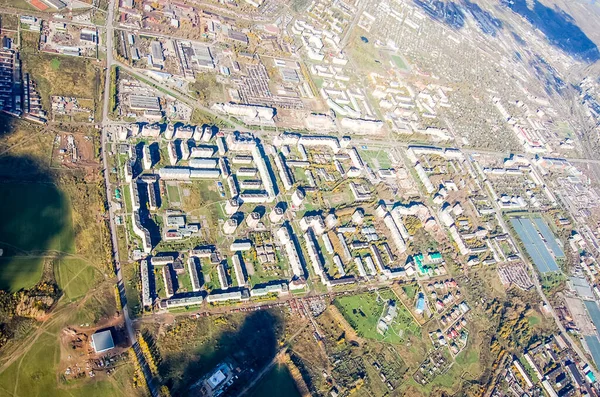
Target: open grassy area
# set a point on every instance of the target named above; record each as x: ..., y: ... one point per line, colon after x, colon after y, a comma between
x: 362, y: 311
x: 376, y: 158
x: 211, y: 278
x: 20, y: 273
x: 63, y: 75
x: 35, y: 216
x: 365, y: 55
x: 190, y: 348
x: 100, y: 305
x: 35, y: 219
x: 173, y: 193
x: 90, y: 231
x: 132, y: 288
x: 75, y: 277
x: 53, y: 227
x: 278, y: 382
x: 196, y: 195
x: 398, y: 61
x: 22, y: 4
x: 410, y: 290
x: 9, y: 21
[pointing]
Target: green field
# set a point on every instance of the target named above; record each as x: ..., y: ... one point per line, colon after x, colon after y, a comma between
x: 197, y: 195
x: 16, y: 4
x: 185, y: 282
x: 9, y: 21
x: 20, y: 273
x: 362, y: 312
x: 35, y: 219
x: 211, y: 278
x: 365, y: 56
x: 278, y: 382
x: 410, y: 291
x: 376, y: 158
x: 75, y: 277
x: 173, y: 193
x: 132, y: 290
x: 318, y: 82
x: 398, y: 61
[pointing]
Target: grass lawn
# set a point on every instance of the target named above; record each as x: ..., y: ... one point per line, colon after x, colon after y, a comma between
x: 533, y: 320
x: 132, y: 289
x: 362, y: 311
x: 9, y: 21
x: 564, y: 129
x: 185, y: 282
x: 36, y: 375
x: 365, y: 56
x: 376, y: 158
x: 211, y: 278
x: 35, y: 218
x: 278, y: 382
x: 20, y: 273
x: 410, y: 291
x: 75, y: 277
x: 22, y: 4
x: 191, y: 348
x: 55, y: 64
x: 468, y: 357
x: 528, y: 369
x: 399, y: 62
x: 197, y: 195
x: 318, y: 82
x: 173, y: 193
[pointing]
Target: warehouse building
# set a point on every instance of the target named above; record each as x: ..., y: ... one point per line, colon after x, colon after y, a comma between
x: 102, y: 341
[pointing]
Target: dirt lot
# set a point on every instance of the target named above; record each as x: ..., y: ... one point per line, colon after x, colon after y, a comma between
x: 75, y: 150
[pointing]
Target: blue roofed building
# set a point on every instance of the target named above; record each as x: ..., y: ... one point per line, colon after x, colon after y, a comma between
x: 102, y: 341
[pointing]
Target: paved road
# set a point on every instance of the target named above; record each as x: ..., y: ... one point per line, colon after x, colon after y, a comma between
x: 112, y: 226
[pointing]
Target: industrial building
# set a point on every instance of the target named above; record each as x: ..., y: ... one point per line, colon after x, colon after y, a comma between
x: 102, y: 341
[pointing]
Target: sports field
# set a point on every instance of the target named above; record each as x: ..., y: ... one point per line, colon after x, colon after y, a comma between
x: 399, y: 62
x: 363, y: 311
